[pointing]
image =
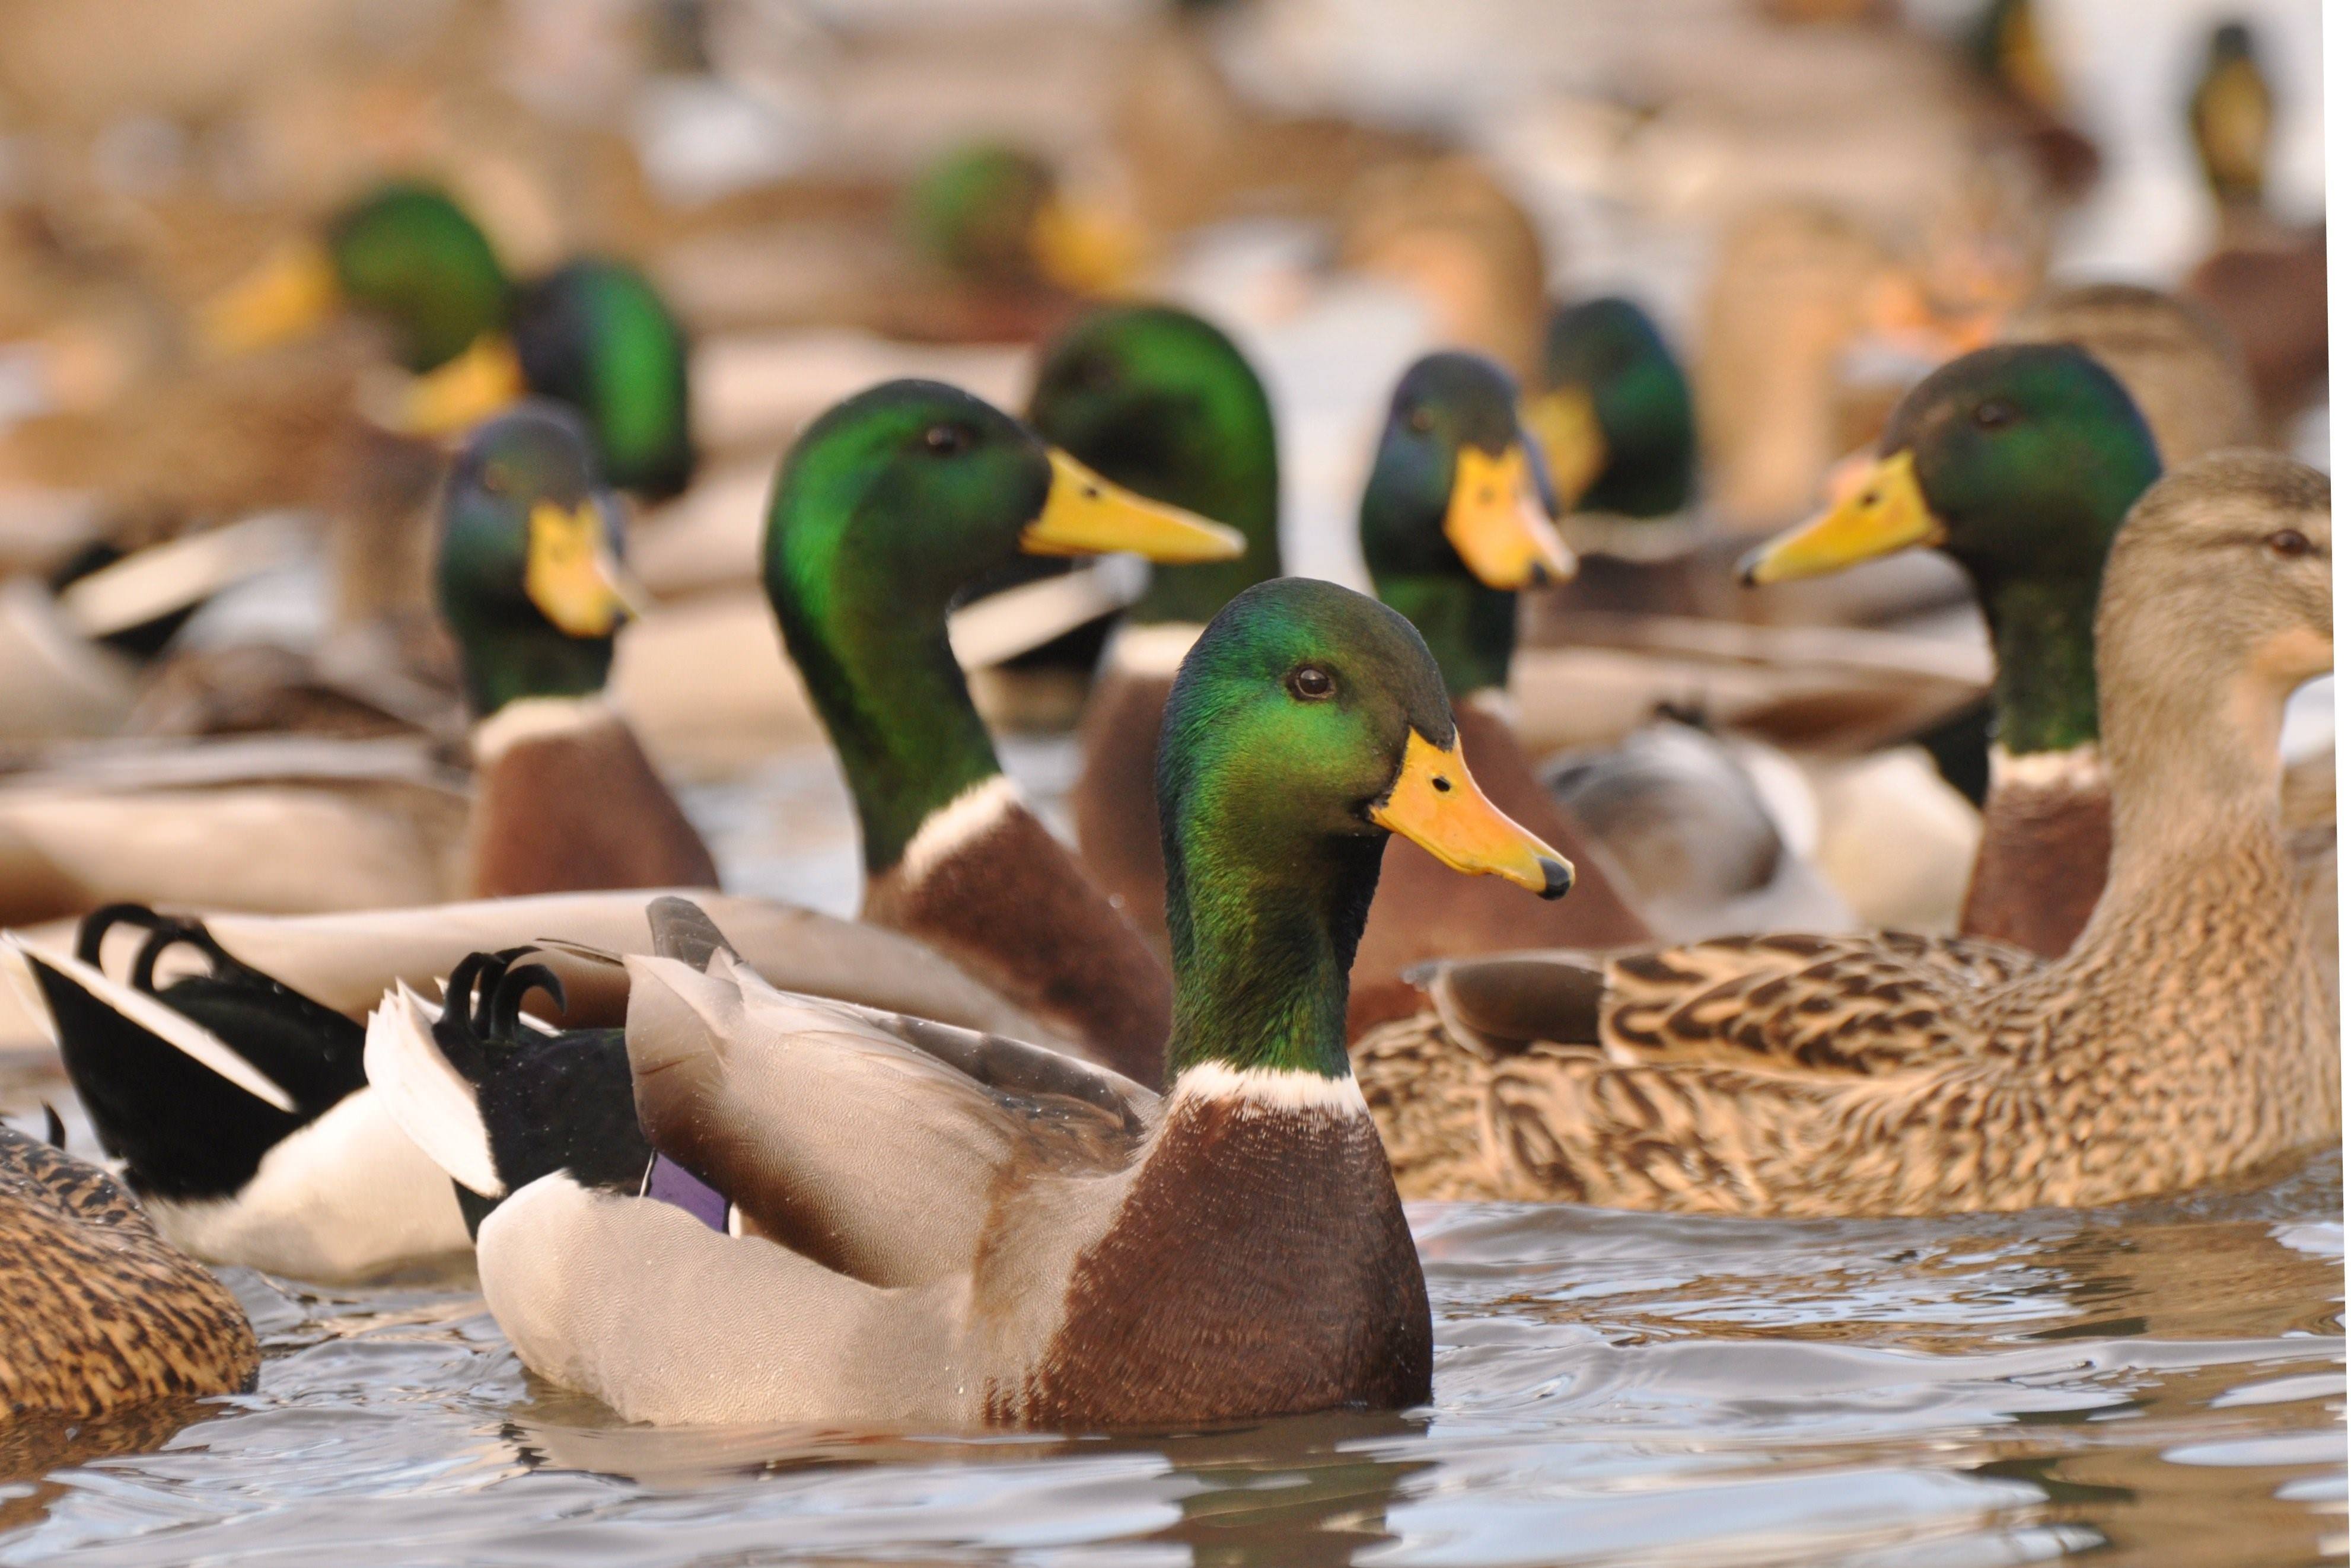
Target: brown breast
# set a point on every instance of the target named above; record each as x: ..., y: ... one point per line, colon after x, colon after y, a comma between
x: 578, y: 812
x: 1260, y: 1266
x: 2040, y: 866
x: 1116, y: 805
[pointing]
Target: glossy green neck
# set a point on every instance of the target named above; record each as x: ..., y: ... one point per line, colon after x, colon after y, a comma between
x: 595, y: 335
x: 1262, y: 945
x: 1239, y: 488
x: 510, y: 659
x: 2044, y: 684
x: 873, y: 652
x: 1652, y: 468
x: 1472, y: 629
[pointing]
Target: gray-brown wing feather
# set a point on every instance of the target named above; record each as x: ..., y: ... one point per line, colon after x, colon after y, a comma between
x: 839, y: 1138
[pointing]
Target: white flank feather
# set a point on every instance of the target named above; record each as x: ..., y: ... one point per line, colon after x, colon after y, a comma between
x: 430, y: 1100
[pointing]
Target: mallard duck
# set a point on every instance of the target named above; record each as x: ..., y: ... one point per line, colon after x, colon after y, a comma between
x: 2172, y: 355
x: 1453, y: 523
x: 2020, y: 462
x: 2184, y: 1039
x: 1614, y: 415
x: 1161, y: 402
x: 887, y: 506
x: 562, y: 796
x: 593, y: 333
x: 223, y: 1067
x: 1008, y: 1251
x: 2264, y: 279
x: 97, y: 1313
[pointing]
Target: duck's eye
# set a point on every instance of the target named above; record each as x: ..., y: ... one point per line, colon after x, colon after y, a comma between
x: 1423, y: 419
x: 946, y: 440
x: 1312, y: 682
x: 1995, y: 414
x: 497, y: 478
x: 2291, y: 543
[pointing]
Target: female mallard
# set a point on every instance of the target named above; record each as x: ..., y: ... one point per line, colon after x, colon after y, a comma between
x: 2184, y: 1039
x: 592, y: 334
x: 1157, y: 400
x: 96, y: 1311
x: 892, y: 502
x: 1453, y: 523
x: 2019, y: 462
x: 1008, y: 1237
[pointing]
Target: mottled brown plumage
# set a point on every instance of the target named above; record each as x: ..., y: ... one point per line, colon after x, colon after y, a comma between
x: 96, y: 1311
x: 2184, y: 1039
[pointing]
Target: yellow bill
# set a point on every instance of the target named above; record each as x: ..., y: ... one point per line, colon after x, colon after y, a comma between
x: 1085, y: 246
x: 1085, y: 513
x: 1496, y: 519
x: 1435, y: 804
x: 458, y: 395
x: 572, y: 575
x: 1566, y: 427
x: 288, y: 296
x: 1883, y: 512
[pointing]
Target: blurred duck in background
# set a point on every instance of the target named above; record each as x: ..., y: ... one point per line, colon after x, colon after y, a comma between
x: 2265, y: 279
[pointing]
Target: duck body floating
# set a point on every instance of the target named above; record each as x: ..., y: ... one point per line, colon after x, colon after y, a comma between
x: 922, y: 1224
x: 2185, y: 1038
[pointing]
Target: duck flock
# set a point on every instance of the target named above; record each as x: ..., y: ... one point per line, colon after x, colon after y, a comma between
x: 1484, y: 883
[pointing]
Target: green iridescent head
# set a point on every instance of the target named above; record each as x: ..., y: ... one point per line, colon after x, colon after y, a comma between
x: 1613, y: 413
x: 1455, y: 519
x: 1163, y: 402
x: 528, y: 568
x: 410, y: 255
x: 1307, y: 723
x: 2020, y: 462
x: 887, y: 507
x: 596, y: 335
x: 976, y: 210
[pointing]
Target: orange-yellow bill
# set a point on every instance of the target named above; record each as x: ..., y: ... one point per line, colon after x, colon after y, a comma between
x: 1437, y: 805
x: 1085, y: 513
x: 1496, y: 520
x: 1882, y: 512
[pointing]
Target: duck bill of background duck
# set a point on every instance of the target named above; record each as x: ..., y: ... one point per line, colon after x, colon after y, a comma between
x: 572, y: 573
x: 1495, y: 521
x: 1437, y: 805
x: 1565, y: 428
x: 1884, y: 511
x: 1085, y: 513
x: 289, y: 296
x: 483, y: 380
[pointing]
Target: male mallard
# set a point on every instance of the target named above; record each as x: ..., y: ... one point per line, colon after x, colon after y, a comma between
x: 592, y: 334
x: 1453, y: 525
x: 889, y: 504
x: 2265, y: 279
x: 914, y: 1224
x: 2184, y: 1039
x: 2020, y: 462
x: 1161, y: 402
x: 96, y: 1311
x: 1612, y: 413
x: 2172, y: 355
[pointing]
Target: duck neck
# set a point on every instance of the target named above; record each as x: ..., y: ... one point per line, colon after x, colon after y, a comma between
x: 1472, y: 629
x: 2195, y: 775
x: 893, y: 700
x: 1236, y: 483
x: 505, y: 664
x: 2044, y: 681
x: 1262, y: 945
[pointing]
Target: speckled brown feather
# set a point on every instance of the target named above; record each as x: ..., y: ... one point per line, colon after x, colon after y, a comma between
x: 1211, y: 1298
x: 579, y: 812
x: 2041, y: 865
x: 1114, y: 804
x: 1011, y: 907
x: 1424, y: 910
x: 97, y: 1310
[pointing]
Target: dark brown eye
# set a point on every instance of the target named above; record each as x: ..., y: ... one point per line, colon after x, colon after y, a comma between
x: 946, y: 440
x: 1312, y: 682
x: 497, y: 478
x: 1423, y: 420
x: 2291, y: 543
x: 1993, y: 416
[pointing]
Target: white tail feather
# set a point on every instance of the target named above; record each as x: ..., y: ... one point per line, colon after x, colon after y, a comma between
x: 430, y: 1100
x: 176, y: 1030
